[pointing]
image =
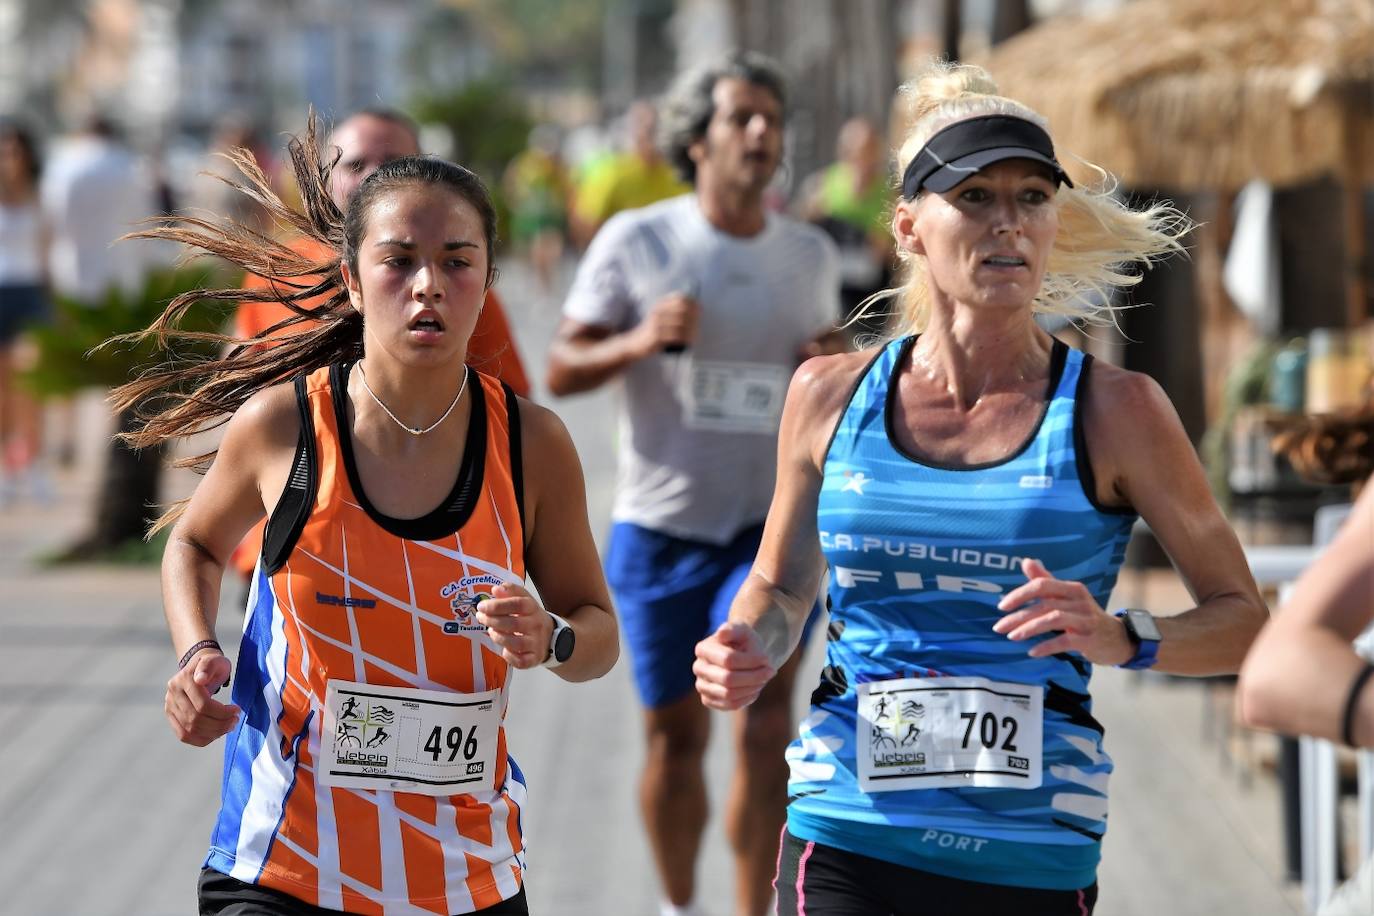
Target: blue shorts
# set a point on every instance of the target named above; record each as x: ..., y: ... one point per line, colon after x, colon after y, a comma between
x: 670, y: 594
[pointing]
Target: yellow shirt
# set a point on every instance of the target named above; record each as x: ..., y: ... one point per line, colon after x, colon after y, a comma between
x: 625, y: 182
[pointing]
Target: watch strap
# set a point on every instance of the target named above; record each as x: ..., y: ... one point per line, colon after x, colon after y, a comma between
x: 1146, y: 650
x: 559, y: 625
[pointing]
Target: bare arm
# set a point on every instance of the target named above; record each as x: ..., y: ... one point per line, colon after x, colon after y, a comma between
x: 1161, y: 476
x: 586, y: 356
x: 225, y: 505
x: 562, y: 560
x: 771, y: 607
x: 1297, y: 677
x: 1141, y: 457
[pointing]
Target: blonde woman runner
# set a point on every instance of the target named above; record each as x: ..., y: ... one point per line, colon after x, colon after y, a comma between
x: 971, y: 486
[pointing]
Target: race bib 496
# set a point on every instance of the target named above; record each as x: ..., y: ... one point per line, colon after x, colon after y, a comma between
x: 429, y: 742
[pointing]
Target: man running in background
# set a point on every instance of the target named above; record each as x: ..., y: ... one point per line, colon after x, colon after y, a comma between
x: 703, y: 305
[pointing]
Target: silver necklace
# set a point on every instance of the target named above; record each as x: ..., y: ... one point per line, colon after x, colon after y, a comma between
x: 415, y: 430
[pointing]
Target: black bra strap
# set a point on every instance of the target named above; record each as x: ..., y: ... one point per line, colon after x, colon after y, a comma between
x: 293, y: 508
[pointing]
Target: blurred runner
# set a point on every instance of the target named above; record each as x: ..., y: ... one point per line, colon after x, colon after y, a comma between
x: 94, y: 189
x: 637, y: 177
x: 210, y: 194
x: 851, y: 200
x: 537, y: 190
x: 24, y: 302
x: 702, y: 306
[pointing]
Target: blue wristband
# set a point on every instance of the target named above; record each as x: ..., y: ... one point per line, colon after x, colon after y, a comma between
x: 1146, y: 650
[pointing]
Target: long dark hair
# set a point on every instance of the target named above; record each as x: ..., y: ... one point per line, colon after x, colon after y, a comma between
x: 180, y: 398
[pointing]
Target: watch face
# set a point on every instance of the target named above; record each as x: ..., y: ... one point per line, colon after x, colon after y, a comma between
x: 1144, y: 626
x: 563, y: 644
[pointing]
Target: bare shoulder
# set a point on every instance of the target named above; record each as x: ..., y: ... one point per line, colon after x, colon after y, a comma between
x: 824, y: 384
x: 1127, y: 407
x: 552, y: 470
x: 820, y: 391
x: 547, y: 451
x: 268, y: 421
x: 541, y: 431
x: 249, y: 471
x: 1134, y: 435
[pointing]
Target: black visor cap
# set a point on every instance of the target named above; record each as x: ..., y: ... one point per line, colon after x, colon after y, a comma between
x: 966, y: 147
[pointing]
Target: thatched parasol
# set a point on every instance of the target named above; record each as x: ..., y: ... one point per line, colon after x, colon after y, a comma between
x: 1196, y: 95
x: 1204, y: 94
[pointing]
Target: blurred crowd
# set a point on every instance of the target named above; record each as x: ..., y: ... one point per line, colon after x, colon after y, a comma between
x: 62, y: 206
x: 66, y: 199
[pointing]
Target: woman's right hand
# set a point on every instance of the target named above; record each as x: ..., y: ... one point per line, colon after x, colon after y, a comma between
x: 732, y: 667
x: 197, y: 717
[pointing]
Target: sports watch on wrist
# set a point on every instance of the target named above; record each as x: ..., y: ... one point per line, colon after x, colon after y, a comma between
x: 561, y: 642
x: 1145, y: 636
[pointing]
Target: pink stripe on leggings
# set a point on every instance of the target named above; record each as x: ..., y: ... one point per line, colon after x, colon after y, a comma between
x: 1082, y: 903
x: 801, y: 878
x: 777, y: 870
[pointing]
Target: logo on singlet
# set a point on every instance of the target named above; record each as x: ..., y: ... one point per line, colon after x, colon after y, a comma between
x: 855, y: 482
x: 341, y: 601
x: 463, y: 601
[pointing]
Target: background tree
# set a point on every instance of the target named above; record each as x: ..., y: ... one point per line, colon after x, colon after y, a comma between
x: 79, y: 351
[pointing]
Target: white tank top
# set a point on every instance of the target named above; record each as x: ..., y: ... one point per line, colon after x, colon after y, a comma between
x: 21, y: 250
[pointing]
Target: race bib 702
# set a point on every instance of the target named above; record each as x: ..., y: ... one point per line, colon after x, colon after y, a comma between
x: 949, y: 732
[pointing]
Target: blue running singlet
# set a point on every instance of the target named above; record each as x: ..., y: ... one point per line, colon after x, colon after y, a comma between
x: 919, y: 556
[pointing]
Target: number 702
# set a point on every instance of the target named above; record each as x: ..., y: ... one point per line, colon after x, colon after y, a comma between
x: 989, y: 730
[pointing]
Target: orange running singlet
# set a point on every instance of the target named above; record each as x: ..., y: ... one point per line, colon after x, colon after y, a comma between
x: 344, y: 594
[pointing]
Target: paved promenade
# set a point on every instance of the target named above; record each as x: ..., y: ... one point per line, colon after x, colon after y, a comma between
x: 103, y: 813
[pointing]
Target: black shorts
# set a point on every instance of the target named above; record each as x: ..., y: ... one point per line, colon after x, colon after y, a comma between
x: 818, y: 880
x: 221, y: 895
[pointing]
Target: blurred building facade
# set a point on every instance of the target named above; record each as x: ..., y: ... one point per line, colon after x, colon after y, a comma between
x: 161, y: 67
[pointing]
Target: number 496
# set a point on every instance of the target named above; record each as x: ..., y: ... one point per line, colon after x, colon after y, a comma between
x: 989, y: 730
x: 455, y: 742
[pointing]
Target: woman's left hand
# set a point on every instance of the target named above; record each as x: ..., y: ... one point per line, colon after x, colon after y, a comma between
x: 518, y: 624
x: 1049, y: 605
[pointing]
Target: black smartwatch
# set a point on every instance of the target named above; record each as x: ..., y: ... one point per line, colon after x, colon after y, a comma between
x: 561, y: 642
x: 1145, y: 636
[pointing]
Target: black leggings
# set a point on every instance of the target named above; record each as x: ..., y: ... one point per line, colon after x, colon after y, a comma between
x: 818, y: 880
x: 221, y: 895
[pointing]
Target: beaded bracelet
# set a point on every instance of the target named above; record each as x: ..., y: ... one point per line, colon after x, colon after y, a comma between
x: 1352, y: 701
x: 191, y: 652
